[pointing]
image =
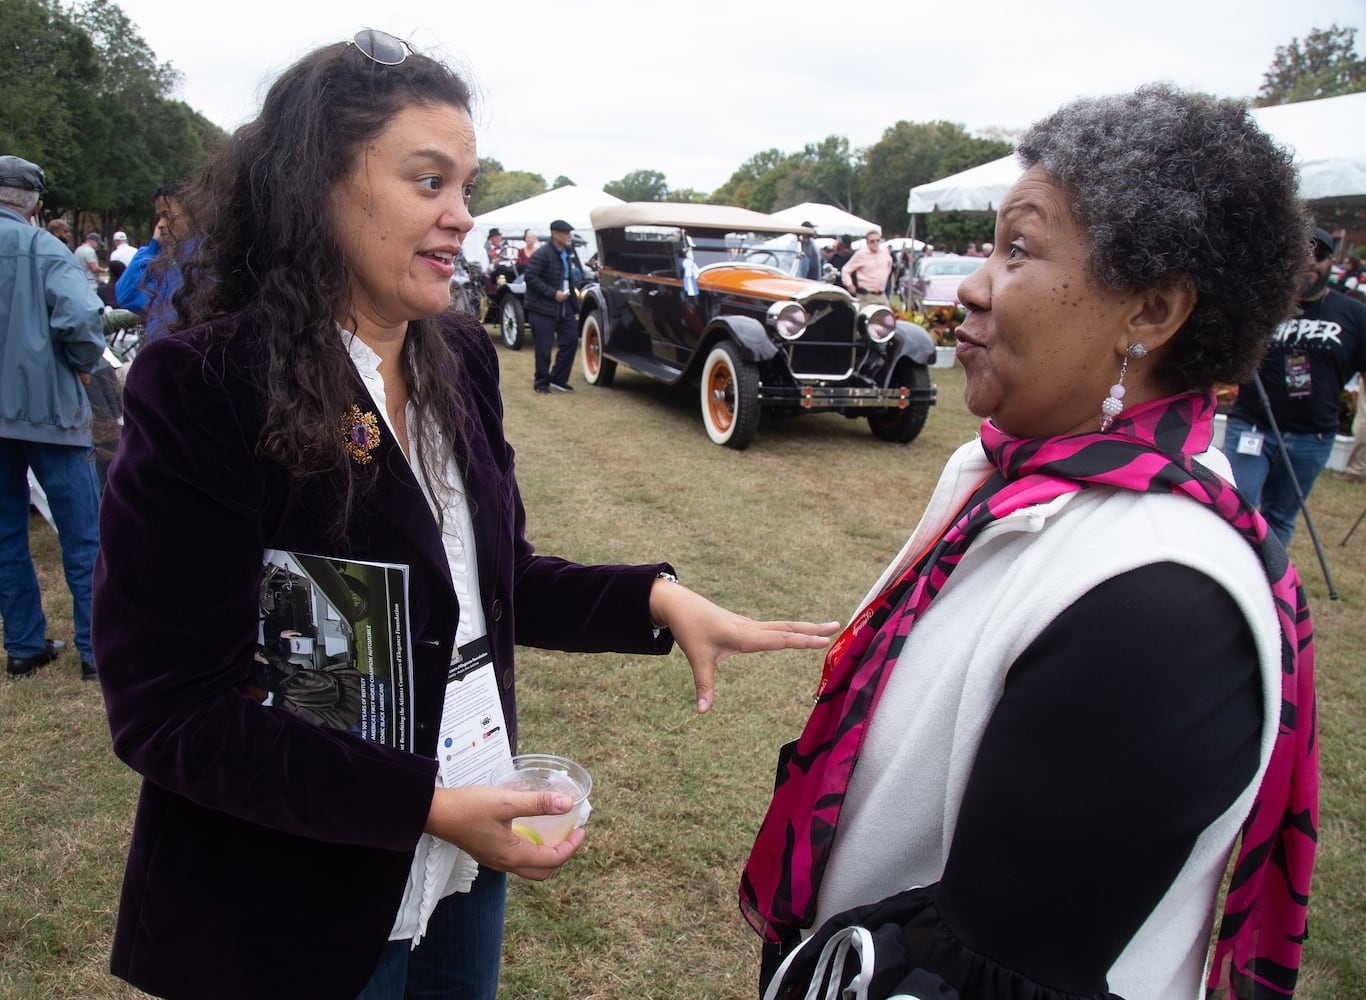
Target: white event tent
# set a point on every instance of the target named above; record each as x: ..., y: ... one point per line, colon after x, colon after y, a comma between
x: 1330, y: 152
x: 1329, y: 144
x: 826, y: 220
x: 570, y: 203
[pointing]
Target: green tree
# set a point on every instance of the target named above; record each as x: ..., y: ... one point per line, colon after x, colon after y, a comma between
x: 562, y: 181
x: 917, y: 153
x: 504, y: 188
x: 827, y: 172
x: 170, y: 141
x: 82, y: 94
x: 145, y: 136
x: 1325, y: 64
x: 499, y: 187
x: 687, y: 194
x: 754, y: 183
x: 639, y: 185
x: 44, y: 109
x: 127, y: 63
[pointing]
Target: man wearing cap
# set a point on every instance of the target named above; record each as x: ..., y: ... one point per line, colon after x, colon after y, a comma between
x: 123, y: 251
x: 1310, y: 358
x: 90, y: 260
x: 498, y: 268
x: 50, y: 340
x: 552, y: 276
x: 493, y: 246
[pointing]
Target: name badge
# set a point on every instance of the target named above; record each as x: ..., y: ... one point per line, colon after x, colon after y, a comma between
x: 1250, y: 442
x: 474, y: 738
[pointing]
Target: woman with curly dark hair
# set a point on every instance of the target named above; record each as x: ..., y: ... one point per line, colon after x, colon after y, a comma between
x: 1089, y: 671
x: 318, y: 398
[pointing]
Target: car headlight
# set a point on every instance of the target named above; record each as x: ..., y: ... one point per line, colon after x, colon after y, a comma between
x: 879, y: 322
x: 788, y: 318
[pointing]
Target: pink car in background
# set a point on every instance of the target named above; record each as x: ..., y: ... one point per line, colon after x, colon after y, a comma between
x: 935, y: 281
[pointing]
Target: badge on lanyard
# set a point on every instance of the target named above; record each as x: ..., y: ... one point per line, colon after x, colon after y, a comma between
x: 1250, y: 442
x: 474, y: 738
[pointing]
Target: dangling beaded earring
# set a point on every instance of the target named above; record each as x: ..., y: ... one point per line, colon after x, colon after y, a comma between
x: 1114, y: 403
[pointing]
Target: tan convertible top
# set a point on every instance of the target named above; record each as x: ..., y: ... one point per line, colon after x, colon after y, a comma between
x: 689, y: 215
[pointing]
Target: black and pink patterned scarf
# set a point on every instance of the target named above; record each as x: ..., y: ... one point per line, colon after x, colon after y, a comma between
x: 1149, y: 449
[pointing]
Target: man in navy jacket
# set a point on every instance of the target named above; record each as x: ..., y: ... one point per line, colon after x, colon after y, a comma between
x: 552, y: 276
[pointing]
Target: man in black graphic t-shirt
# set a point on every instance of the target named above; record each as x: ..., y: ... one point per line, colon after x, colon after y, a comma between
x: 1311, y: 357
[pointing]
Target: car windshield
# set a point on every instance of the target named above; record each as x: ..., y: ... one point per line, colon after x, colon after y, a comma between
x: 781, y: 252
x: 938, y: 266
x: 715, y: 246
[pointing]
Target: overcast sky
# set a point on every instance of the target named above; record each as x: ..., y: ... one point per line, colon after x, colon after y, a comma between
x: 593, y: 90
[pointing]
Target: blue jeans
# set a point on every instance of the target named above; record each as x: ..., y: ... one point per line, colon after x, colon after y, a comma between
x: 67, y: 476
x: 1264, y: 480
x: 459, y: 956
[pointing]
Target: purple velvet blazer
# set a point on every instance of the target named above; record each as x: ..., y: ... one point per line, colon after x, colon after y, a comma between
x: 269, y: 855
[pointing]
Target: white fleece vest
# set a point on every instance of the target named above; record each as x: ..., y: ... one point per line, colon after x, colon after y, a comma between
x: 902, y: 804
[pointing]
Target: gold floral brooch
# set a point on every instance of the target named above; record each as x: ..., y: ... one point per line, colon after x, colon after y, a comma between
x: 360, y: 434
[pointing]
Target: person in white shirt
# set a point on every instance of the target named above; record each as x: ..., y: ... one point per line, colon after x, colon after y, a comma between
x: 123, y: 250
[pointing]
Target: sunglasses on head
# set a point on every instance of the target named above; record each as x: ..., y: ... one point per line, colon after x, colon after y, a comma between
x: 381, y: 47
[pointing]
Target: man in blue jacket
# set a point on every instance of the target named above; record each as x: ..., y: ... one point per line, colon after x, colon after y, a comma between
x: 50, y: 340
x: 148, y: 284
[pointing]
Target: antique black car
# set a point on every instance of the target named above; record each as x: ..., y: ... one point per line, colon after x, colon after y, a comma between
x: 705, y: 293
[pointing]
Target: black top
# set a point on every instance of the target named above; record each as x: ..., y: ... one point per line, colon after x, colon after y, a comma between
x: 1311, y: 357
x: 1132, y: 739
x: 1123, y: 730
x: 545, y: 275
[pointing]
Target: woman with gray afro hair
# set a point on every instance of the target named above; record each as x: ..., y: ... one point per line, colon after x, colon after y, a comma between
x: 1088, y: 674
x: 1175, y: 186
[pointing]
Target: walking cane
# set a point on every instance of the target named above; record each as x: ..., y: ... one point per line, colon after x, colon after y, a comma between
x: 1295, y: 482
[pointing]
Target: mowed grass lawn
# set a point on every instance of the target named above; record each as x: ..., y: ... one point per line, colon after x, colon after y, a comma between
x: 797, y: 526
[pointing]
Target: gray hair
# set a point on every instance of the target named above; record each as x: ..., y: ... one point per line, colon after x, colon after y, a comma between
x: 1175, y: 186
x: 21, y: 200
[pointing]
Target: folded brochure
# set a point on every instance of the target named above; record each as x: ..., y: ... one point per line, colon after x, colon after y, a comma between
x: 334, y: 644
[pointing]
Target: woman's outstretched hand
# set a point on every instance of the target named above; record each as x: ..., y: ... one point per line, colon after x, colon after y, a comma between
x: 708, y: 633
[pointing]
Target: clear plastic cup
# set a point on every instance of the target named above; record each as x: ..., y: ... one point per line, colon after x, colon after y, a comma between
x: 540, y: 772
